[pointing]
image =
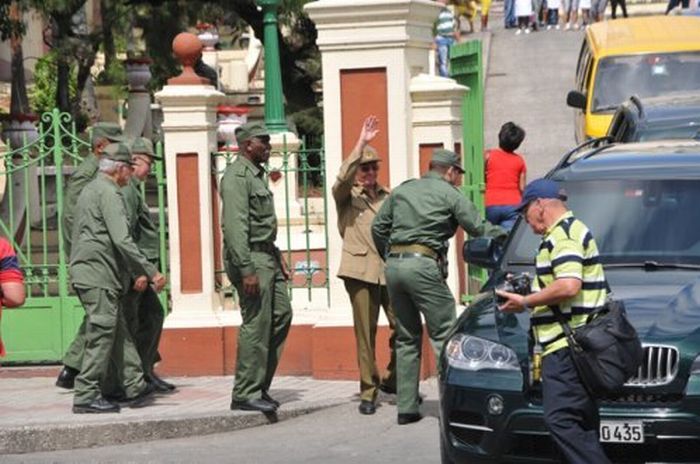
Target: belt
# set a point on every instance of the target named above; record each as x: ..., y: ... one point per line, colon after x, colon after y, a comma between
x: 414, y: 250
x: 264, y: 247
x: 408, y: 255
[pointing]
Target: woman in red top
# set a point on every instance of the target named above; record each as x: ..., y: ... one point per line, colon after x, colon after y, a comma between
x: 11, y: 281
x: 505, y: 177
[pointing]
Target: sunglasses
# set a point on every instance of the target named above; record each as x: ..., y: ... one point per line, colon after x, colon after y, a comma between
x: 369, y: 167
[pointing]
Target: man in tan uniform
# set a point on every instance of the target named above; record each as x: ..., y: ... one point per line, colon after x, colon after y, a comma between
x: 358, y: 197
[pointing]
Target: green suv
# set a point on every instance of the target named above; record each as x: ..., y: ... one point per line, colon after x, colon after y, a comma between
x: 640, y: 200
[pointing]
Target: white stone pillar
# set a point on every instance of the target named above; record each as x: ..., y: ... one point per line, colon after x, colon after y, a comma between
x: 387, y: 42
x: 189, y: 130
x: 436, y: 104
x: 285, y: 190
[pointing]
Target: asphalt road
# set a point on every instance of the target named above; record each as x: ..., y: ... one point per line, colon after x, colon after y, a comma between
x: 338, y: 435
x: 527, y: 81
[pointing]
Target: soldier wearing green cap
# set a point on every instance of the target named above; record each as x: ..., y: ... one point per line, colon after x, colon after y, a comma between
x: 358, y: 196
x: 103, y: 134
x: 143, y: 310
x: 412, y: 230
x: 255, y: 267
x: 103, y: 249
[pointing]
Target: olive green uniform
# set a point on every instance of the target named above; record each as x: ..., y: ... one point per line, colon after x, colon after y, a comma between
x: 423, y: 213
x: 103, y: 251
x: 82, y: 176
x: 250, y: 228
x: 143, y: 310
x: 86, y: 172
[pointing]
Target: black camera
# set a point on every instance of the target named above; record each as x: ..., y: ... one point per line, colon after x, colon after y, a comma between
x: 520, y: 284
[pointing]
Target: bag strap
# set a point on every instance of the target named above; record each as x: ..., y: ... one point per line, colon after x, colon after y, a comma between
x: 565, y: 326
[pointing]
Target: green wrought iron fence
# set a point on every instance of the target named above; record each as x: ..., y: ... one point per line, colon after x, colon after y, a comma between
x: 298, y: 174
x: 31, y: 206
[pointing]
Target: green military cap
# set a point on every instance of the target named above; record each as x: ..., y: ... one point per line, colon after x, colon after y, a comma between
x: 250, y: 130
x: 143, y: 146
x: 107, y: 130
x: 447, y: 158
x: 369, y: 155
x: 118, y: 152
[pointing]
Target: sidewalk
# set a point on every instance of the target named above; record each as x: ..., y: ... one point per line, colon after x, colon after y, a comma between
x: 36, y: 416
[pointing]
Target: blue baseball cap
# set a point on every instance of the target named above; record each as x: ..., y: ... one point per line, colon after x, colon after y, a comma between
x: 541, y: 188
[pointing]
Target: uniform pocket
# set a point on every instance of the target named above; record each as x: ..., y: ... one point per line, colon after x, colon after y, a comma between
x: 261, y: 201
x: 355, y: 249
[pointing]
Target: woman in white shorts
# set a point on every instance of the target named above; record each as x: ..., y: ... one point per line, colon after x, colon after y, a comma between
x: 570, y: 9
x: 523, y: 11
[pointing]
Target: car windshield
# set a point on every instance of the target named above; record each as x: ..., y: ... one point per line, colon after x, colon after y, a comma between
x: 650, y: 75
x: 633, y: 221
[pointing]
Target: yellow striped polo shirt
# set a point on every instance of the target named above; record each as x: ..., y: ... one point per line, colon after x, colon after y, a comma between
x: 568, y: 250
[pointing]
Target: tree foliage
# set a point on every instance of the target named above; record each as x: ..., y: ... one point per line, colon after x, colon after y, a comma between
x: 300, y: 60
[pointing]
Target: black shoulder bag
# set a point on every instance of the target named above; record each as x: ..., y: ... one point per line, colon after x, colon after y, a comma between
x: 606, y: 350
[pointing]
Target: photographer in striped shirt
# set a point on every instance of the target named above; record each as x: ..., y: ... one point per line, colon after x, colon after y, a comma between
x: 570, y: 277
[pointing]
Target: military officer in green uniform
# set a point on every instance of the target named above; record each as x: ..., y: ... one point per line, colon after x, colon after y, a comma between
x: 358, y: 197
x: 256, y: 269
x: 412, y: 229
x: 103, y: 133
x: 143, y: 310
x: 103, y: 250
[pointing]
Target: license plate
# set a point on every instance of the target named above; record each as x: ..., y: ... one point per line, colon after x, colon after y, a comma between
x: 622, y: 432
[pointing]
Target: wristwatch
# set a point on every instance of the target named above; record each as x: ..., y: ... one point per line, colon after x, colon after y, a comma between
x: 525, y: 306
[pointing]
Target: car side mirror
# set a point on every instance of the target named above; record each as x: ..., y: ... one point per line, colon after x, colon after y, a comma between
x: 576, y: 99
x: 481, y: 252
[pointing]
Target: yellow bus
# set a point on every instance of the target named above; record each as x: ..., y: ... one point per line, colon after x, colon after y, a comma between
x: 645, y: 56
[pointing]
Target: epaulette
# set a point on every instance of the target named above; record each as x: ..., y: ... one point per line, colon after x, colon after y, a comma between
x: 239, y: 168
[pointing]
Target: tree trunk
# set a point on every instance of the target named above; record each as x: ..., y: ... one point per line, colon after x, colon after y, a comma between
x: 107, y: 13
x: 19, y: 102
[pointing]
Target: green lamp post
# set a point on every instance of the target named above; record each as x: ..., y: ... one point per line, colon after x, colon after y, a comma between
x: 274, y: 98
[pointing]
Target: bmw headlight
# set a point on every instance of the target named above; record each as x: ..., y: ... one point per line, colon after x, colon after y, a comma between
x: 695, y: 367
x: 474, y: 354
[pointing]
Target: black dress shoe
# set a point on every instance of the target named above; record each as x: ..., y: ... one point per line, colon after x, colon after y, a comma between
x: 142, y: 397
x: 408, y: 418
x: 66, y: 378
x: 161, y: 384
x: 253, y: 405
x: 367, y: 407
x: 97, y: 406
x: 389, y: 390
x: 266, y: 396
x: 116, y: 397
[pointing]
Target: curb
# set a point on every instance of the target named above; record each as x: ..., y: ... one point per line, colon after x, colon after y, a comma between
x: 55, y: 437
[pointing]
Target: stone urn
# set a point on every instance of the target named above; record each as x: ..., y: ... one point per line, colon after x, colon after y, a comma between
x: 229, y: 118
x: 138, y: 73
x: 19, y: 130
x: 208, y: 35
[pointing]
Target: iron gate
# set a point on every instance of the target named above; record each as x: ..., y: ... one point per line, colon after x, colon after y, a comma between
x: 31, y: 206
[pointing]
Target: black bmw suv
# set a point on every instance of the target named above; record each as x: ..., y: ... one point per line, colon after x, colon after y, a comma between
x: 642, y: 203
